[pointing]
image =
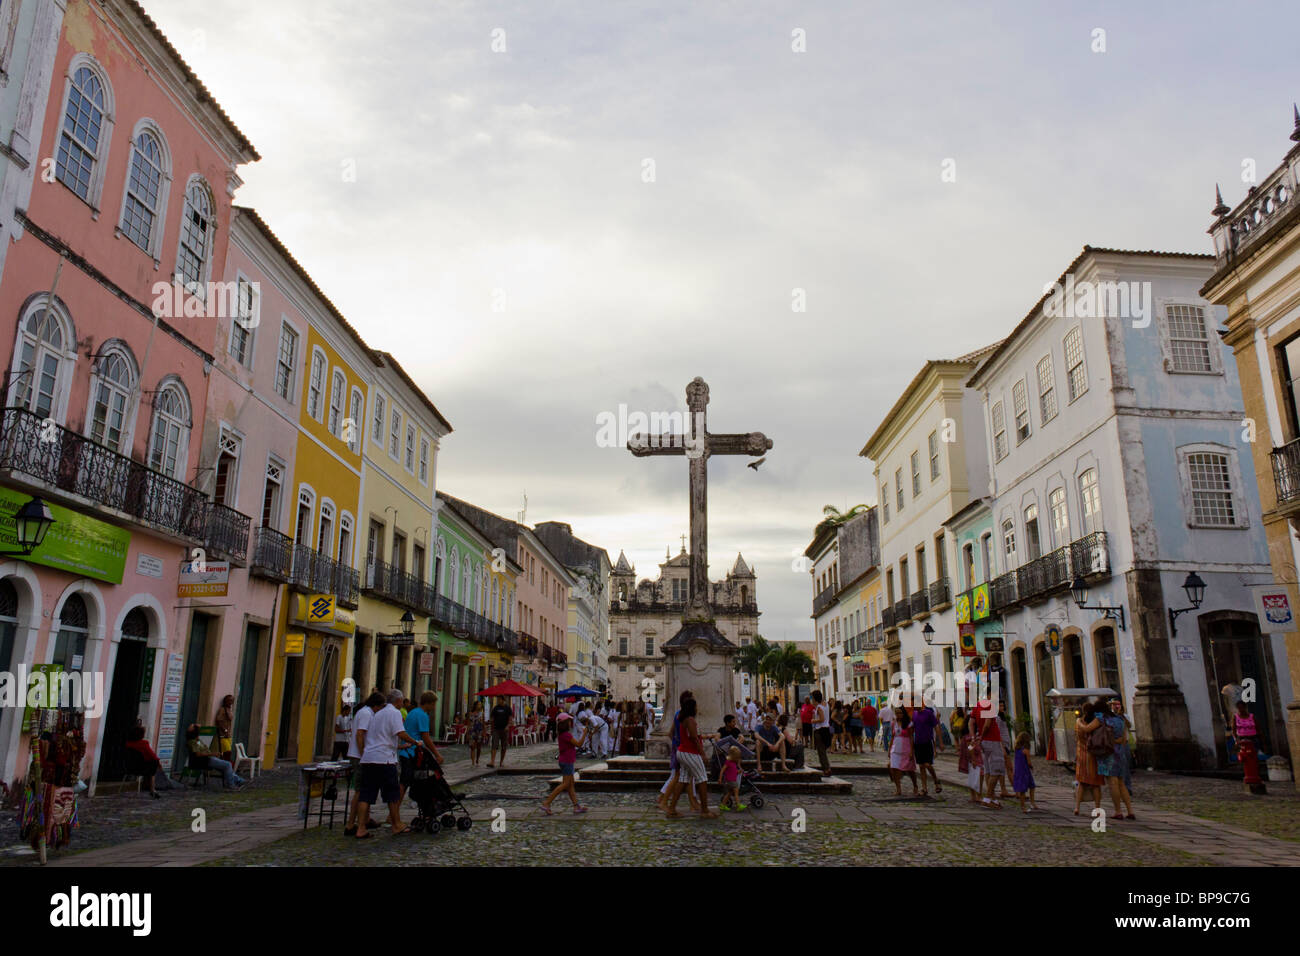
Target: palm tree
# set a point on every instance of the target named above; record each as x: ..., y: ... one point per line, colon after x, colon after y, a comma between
x: 750, y: 660
x: 785, y: 664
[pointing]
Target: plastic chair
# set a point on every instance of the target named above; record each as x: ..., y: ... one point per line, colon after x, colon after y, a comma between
x: 242, y: 757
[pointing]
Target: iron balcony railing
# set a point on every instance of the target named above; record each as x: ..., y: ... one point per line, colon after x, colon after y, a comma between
x: 393, y: 584
x: 1286, y: 473
x: 940, y: 594
x: 920, y: 602
x: 227, y: 533
x: 1085, y: 557
x: 272, y: 555
x: 823, y: 600
x: 902, y: 611
x: 318, y: 573
x: 63, y: 461
x: 1003, y: 590
x: 1090, y: 555
x: 887, y: 619
x: 875, y: 637
x: 1044, y: 574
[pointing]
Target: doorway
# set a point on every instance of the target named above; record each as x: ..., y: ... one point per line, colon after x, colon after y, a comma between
x: 1072, y: 659
x: 191, y: 696
x: 124, y: 695
x: 251, y: 690
x: 1235, y: 653
x: 1046, y: 682
x: 286, y: 744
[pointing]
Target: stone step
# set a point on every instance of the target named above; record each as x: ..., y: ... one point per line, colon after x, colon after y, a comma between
x: 773, y: 776
x: 661, y: 766
x: 814, y: 784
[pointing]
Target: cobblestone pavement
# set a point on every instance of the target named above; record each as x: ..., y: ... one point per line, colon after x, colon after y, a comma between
x: 867, y: 826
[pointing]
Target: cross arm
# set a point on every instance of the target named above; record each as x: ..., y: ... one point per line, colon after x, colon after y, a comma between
x: 750, y: 443
x: 643, y: 445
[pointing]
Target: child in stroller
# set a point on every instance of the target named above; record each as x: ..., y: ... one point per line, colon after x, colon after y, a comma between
x: 729, y: 749
x: 437, y: 804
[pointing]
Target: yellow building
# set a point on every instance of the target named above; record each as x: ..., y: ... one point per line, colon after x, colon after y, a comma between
x: 399, y: 521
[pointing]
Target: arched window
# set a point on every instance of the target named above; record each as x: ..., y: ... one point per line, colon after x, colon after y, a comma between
x: 355, y: 414
x: 169, y: 440
x: 451, y: 586
x: 196, y: 233
x: 316, y: 384
x: 496, y: 604
x: 345, y: 539
x: 325, y: 537
x: 74, y: 628
x: 112, y: 391
x: 338, y: 395
x: 467, y: 587
x: 46, y: 359
x: 82, y: 135
x: 135, y: 626
x: 142, y: 204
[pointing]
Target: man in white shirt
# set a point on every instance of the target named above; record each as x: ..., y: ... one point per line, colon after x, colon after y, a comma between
x: 751, y: 714
x: 886, y: 725
x: 379, y: 765
x: 356, y: 743
x: 598, y: 730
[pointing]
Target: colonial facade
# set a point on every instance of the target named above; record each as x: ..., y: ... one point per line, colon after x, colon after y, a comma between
x: 1256, y: 276
x: 849, y: 638
x: 645, y: 615
x: 1118, y: 468
x: 588, y: 618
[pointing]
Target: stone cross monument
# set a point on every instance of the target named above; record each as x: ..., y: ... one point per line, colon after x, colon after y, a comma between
x: 699, y: 656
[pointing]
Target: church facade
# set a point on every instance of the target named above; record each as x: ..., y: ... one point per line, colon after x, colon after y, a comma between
x: 645, y: 615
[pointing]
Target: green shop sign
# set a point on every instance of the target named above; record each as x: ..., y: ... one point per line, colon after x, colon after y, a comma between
x: 76, y: 543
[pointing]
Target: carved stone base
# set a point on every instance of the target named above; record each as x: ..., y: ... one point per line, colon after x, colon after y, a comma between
x: 1163, y: 729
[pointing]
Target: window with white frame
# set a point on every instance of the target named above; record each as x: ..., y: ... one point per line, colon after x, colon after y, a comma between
x: 196, y: 233
x: 1090, y: 501
x: 377, y: 426
x: 286, y: 364
x: 1020, y: 404
x: 141, y: 206
x: 1033, y: 540
x: 934, y: 455
x: 345, y: 540
x: 82, y: 134
x: 355, y: 413
x: 112, y: 408
x: 1189, y: 339
x: 1046, y: 390
x: 316, y: 384
x: 898, y: 488
x: 424, y: 460
x: 229, y: 450
x: 1060, y: 515
x: 47, y: 357
x: 271, y: 493
x: 1009, y: 544
x: 410, y: 448
x: 916, y: 474
x: 1076, y: 376
x: 986, y: 553
x: 243, y: 324
x: 884, y: 503
x: 394, y: 433
x: 338, y: 395
x: 999, y: 417
x: 171, y: 429
x: 325, y: 535
x: 1212, y: 487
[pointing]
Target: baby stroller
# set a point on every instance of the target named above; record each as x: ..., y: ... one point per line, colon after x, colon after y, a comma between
x: 747, y: 777
x: 437, y: 804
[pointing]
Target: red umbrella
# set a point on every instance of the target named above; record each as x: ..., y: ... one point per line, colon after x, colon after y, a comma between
x: 509, y: 688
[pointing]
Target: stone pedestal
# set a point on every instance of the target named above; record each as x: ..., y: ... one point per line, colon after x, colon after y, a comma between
x: 699, y: 660
x: 1160, y: 718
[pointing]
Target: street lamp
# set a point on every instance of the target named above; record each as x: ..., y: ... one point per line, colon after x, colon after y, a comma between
x: 1080, y: 591
x: 408, y: 624
x: 1195, y: 589
x: 31, y: 522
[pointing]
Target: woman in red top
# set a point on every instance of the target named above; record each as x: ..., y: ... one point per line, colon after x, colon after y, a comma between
x: 568, y: 756
x: 140, y: 759
x: 690, y: 763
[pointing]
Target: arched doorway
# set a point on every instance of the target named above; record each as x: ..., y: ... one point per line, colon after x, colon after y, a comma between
x: 125, y: 694
x: 8, y: 624
x: 1072, y: 661
x: 1108, y: 674
x: 1019, y: 681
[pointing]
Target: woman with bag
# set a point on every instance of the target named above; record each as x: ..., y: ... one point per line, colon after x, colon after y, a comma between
x: 1085, y: 764
x: 1112, y: 767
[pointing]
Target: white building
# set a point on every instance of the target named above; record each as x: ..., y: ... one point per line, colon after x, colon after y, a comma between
x: 1114, y: 427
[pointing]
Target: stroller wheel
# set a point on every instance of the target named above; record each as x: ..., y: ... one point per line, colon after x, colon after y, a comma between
x: 432, y: 826
x: 463, y: 824
x: 448, y: 821
x: 417, y: 824
x: 756, y: 801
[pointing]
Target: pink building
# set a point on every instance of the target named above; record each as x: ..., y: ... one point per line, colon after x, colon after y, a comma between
x: 107, y: 384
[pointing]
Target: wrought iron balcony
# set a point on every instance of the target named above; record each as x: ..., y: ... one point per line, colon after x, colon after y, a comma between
x: 920, y: 602
x: 1090, y: 555
x: 72, y: 468
x: 875, y: 637
x: 903, y: 611
x: 317, y: 573
x: 1003, y: 591
x: 1286, y: 476
x: 227, y: 534
x: 391, y: 583
x: 1044, y: 574
x: 272, y: 555
x: 823, y: 600
x: 887, y: 619
x: 940, y: 594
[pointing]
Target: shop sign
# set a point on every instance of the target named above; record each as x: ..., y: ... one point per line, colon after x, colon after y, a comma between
x: 149, y: 566
x: 1053, y: 636
x: 1273, y: 608
x: 146, y: 673
x: 322, y: 613
x: 295, y: 643
x: 203, y: 579
x: 79, y: 544
x: 478, y: 658
x: 171, y: 708
x: 426, y: 662
x: 966, y: 640
x: 320, y: 609
x: 993, y: 645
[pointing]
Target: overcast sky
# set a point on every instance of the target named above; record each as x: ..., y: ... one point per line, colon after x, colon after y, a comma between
x: 517, y: 179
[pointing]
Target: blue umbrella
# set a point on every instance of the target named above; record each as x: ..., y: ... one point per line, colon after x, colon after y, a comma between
x: 577, y: 690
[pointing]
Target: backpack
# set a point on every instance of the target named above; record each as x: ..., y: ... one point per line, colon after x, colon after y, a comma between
x: 1101, y: 742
